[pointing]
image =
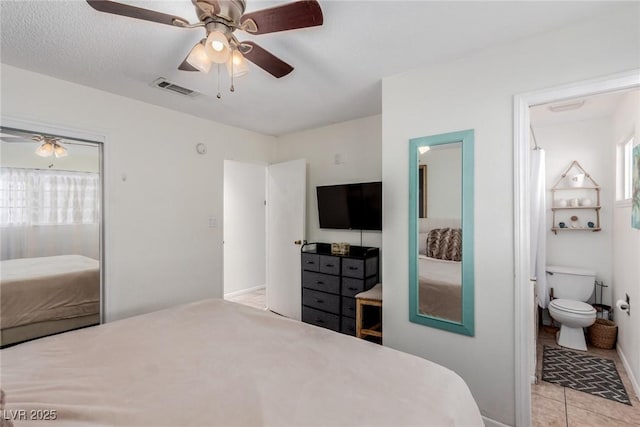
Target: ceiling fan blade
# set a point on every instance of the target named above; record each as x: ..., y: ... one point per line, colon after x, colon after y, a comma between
x: 300, y: 14
x: 15, y: 139
x: 266, y: 60
x: 136, y: 12
x: 17, y: 132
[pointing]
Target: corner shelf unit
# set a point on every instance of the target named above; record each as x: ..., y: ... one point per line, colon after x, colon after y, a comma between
x: 572, y: 190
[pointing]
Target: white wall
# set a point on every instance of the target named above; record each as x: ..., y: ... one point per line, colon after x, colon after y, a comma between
x: 626, y: 245
x: 160, y: 250
x: 357, y: 143
x: 476, y: 92
x: 244, y: 226
x: 588, y: 142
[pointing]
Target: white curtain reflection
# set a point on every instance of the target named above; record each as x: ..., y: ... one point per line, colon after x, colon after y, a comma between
x: 43, y: 197
x: 46, y: 213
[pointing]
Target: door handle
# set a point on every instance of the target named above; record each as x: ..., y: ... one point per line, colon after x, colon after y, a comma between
x: 297, y: 242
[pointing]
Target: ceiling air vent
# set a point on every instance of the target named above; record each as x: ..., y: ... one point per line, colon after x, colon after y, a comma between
x: 164, y: 84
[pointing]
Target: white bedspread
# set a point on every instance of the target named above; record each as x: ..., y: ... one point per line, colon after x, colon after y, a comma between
x: 218, y: 363
x: 440, y: 270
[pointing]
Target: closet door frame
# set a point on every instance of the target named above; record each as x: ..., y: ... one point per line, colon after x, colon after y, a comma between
x: 99, y: 140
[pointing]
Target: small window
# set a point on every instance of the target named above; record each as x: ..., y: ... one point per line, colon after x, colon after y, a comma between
x: 625, y: 170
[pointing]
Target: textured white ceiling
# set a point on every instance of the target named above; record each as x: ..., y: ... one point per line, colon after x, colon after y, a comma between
x: 338, y: 67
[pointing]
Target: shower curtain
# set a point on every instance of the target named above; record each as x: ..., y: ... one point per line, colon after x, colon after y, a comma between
x: 538, y: 225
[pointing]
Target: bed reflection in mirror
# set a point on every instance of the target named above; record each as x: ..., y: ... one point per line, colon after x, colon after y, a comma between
x: 441, y: 267
x: 51, y: 226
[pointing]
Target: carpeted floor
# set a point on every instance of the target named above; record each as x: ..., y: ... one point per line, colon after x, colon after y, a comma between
x: 583, y: 372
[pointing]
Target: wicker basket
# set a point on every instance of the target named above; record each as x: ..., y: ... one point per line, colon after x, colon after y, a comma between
x: 603, y: 333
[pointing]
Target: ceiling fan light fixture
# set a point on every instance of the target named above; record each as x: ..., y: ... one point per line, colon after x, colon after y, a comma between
x: 217, y: 47
x: 60, y: 151
x: 237, y: 64
x: 199, y: 58
x: 45, y: 149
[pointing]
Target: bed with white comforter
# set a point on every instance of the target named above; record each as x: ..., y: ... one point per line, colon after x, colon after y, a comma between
x: 45, y: 295
x: 219, y: 363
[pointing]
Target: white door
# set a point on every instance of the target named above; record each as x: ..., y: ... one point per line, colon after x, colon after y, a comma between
x: 286, y: 203
x: 244, y: 226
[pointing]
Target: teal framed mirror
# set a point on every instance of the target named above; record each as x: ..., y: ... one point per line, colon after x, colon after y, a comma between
x: 441, y: 267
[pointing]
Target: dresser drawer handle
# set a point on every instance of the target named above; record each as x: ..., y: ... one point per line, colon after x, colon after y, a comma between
x: 319, y: 320
x: 318, y: 282
x: 328, y: 265
x: 319, y: 301
x: 352, y: 288
x: 353, y: 268
x: 310, y: 262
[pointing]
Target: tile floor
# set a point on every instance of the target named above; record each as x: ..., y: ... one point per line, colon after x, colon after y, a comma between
x: 554, y: 405
x: 256, y: 299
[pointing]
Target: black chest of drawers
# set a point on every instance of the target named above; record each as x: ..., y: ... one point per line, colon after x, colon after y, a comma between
x: 330, y: 283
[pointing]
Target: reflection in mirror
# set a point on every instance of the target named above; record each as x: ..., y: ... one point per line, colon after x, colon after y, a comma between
x: 441, y: 261
x: 51, y: 226
x: 440, y: 236
x: 422, y: 191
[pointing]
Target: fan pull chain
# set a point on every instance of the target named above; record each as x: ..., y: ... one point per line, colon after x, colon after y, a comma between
x: 232, y: 89
x: 218, y: 95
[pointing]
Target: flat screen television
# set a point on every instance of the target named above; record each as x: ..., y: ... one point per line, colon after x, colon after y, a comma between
x: 350, y: 206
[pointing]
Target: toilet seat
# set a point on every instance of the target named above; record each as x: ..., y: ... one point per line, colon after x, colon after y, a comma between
x: 571, y: 306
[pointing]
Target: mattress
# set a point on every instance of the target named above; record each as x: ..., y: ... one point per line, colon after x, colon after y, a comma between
x: 215, y: 362
x: 440, y: 290
x: 48, y: 288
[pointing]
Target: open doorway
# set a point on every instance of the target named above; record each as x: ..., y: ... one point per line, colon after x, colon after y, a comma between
x: 526, y: 325
x: 244, y: 231
x: 264, y: 227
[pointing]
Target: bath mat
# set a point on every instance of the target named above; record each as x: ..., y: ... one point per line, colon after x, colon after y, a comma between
x: 583, y: 372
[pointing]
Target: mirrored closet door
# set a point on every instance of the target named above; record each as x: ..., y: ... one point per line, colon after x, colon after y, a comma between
x: 51, y: 233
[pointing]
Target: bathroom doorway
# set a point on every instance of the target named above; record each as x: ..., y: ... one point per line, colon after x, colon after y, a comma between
x: 524, y: 142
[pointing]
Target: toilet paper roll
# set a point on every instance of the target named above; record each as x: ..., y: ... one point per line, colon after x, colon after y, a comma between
x: 622, y: 305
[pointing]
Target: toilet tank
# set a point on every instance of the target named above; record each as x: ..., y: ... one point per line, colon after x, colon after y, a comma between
x: 570, y: 283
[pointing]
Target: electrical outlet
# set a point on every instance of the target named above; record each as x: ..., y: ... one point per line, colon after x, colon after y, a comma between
x: 213, y: 221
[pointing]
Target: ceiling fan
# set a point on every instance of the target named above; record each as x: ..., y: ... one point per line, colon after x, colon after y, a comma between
x: 220, y: 19
x: 49, y: 145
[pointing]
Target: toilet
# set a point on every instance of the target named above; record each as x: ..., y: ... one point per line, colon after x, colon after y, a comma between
x: 572, y: 287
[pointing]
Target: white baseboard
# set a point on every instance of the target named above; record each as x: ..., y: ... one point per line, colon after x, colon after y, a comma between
x: 488, y: 422
x: 243, y: 291
x: 634, y: 382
